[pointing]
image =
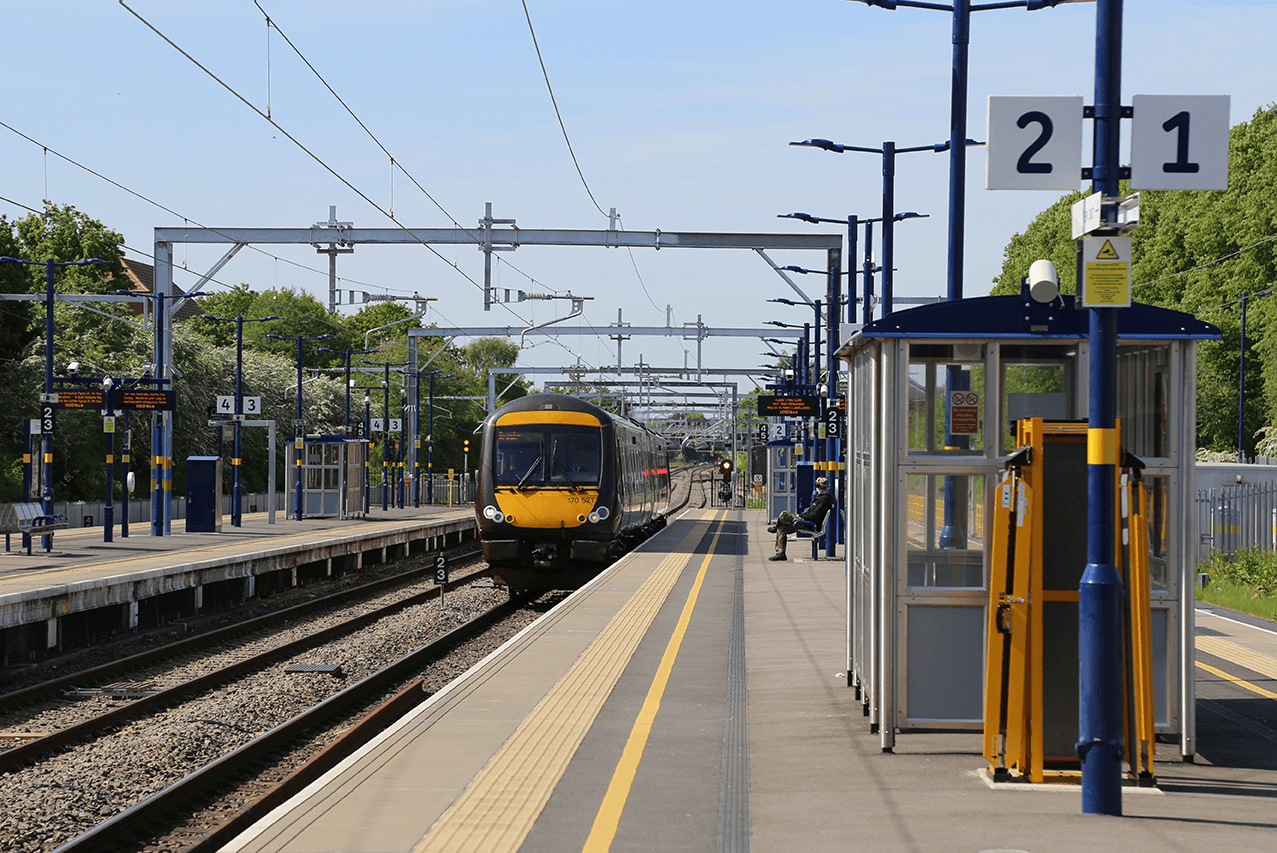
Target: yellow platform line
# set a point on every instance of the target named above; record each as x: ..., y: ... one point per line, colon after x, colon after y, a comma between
x: 496, y: 812
x: 608, y: 818
x: 1252, y: 660
x: 1240, y: 682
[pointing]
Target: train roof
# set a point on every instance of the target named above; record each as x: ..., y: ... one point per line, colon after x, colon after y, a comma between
x: 563, y: 403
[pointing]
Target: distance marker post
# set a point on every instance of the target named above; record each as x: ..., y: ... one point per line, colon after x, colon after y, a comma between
x: 441, y: 574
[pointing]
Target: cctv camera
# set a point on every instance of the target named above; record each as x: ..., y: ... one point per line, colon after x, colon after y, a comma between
x: 73, y: 368
x: 1044, y: 284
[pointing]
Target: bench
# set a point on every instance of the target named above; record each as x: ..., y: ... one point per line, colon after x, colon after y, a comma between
x: 805, y: 529
x: 29, y: 519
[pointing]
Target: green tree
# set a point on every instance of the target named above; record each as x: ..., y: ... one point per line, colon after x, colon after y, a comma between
x: 1198, y: 252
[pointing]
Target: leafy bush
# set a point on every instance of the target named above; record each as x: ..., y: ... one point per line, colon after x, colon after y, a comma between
x: 1247, y: 567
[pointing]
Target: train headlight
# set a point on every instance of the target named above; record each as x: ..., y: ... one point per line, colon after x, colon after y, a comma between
x: 601, y: 513
x: 493, y: 513
x: 594, y: 518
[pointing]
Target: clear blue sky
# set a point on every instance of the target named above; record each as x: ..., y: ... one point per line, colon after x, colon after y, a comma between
x: 679, y: 114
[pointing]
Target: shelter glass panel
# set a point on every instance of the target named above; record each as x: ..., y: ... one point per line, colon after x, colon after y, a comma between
x: 1158, y: 508
x: 946, y: 399
x: 1036, y: 382
x: 945, y: 534
x: 1143, y: 390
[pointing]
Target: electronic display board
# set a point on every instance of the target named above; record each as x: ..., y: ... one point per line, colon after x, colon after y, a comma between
x: 788, y: 407
x: 80, y: 398
x: 146, y: 399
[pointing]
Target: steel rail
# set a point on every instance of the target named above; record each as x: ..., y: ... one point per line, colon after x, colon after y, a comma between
x: 45, y: 689
x: 17, y: 755
x: 139, y: 821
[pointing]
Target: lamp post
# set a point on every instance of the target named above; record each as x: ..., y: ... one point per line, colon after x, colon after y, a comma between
x: 161, y: 466
x: 237, y: 518
x: 298, y: 431
x: 347, y: 353
x: 888, y: 152
x: 385, y: 449
x: 430, y: 437
x: 1241, y: 374
x: 46, y: 492
x: 368, y: 456
x: 867, y: 270
x: 961, y: 11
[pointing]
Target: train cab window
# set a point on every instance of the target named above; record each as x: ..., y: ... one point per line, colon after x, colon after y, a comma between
x: 519, y: 455
x: 577, y: 454
x: 548, y: 455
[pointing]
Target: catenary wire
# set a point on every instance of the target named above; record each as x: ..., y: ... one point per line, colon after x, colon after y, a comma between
x: 318, y: 160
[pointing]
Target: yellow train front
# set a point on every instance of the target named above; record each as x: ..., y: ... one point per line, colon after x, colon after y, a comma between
x: 565, y: 488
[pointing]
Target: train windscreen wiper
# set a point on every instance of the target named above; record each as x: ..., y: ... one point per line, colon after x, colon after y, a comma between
x: 535, y: 465
x: 554, y: 446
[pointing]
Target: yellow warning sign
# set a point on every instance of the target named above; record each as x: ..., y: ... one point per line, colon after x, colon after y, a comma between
x: 1106, y: 274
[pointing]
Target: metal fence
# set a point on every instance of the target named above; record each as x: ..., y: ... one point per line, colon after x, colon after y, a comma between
x: 1234, y: 517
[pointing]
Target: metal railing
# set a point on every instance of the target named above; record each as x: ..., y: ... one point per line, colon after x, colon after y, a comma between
x: 1234, y: 517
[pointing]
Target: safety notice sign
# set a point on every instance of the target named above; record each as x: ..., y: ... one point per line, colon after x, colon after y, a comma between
x: 1106, y: 272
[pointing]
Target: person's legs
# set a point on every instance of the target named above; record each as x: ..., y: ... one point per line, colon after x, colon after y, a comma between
x: 781, y: 539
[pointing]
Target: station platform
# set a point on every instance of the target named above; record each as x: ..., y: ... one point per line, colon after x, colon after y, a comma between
x: 99, y: 586
x: 693, y: 697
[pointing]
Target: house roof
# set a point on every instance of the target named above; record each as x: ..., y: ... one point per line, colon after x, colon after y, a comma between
x: 141, y: 279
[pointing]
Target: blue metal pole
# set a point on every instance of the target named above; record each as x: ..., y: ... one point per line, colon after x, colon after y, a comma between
x: 1241, y: 382
x: 430, y: 447
x: 108, y: 508
x: 1100, y: 592
x: 367, y: 456
x: 46, y: 492
x: 385, y: 444
x: 868, y: 270
x: 888, y: 223
x: 297, y: 431
x: 157, y: 429
x: 403, y: 418
x: 958, y: 144
x: 236, y: 515
x: 124, y: 477
x: 852, y: 223
x: 347, y: 392
x: 416, y: 457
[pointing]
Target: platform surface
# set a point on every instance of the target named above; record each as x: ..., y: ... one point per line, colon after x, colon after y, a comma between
x: 693, y: 698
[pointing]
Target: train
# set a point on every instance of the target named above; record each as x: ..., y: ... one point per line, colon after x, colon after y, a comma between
x: 564, y: 489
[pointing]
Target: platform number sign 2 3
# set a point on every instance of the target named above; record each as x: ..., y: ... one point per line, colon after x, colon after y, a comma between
x: 441, y: 569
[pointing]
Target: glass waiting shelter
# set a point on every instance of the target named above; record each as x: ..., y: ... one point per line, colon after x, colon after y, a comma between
x: 934, y: 394
x: 334, y: 470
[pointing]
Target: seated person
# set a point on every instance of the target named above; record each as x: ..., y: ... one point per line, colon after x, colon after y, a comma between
x: 821, y: 503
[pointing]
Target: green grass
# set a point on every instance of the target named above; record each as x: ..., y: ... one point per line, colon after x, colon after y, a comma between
x: 1245, y: 581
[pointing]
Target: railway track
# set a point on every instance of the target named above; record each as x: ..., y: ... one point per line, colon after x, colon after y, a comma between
x: 177, y: 817
x: 144, y: 739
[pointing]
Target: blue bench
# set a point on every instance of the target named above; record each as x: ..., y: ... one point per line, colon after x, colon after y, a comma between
x: 805, y: 529
x: 29, y: 519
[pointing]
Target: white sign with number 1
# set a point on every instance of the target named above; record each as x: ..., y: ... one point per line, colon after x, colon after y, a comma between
x: 1179, y: 142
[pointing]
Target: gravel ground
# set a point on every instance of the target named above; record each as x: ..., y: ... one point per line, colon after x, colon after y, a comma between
x: 44, y: 806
